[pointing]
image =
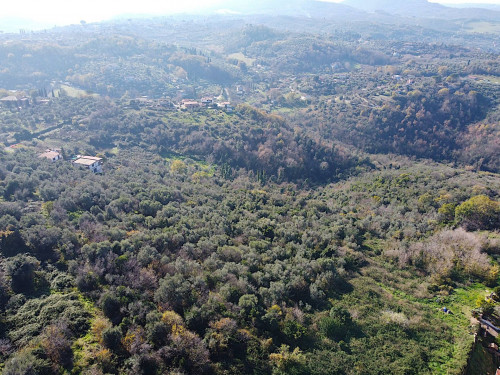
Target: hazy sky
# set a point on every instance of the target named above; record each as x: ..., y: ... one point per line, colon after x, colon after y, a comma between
x: 63, y: 12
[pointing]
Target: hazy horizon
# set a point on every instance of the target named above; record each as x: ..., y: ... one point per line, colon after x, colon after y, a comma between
x: 60, y: 13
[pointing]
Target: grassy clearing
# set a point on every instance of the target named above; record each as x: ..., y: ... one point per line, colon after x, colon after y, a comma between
x: 490, y: 79
x: 283, y: 110
x: 74, y: 92
x: 86, y: 347
x: 240, y: 56
x: 483, y: 27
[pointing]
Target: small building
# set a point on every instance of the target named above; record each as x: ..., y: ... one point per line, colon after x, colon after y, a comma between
x: 14, y: 101
x: 42, y: 101
x: 10, y: 101
x: 24, y: 102
x: 52, y: 155
x: 165, y: 103
x: 226, y: 106
x: 91, y: 162
x: 207, y: 102
x: 143, y: 101
x: 190, y: 105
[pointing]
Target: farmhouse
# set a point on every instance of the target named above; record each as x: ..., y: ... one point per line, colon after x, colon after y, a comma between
x: 52, y: 155
x: 207, y: 102
x: 13, y: 101
x: 226, y: 106
x: 142, y: 101
x: 91, y: 162
x: 190, y: 104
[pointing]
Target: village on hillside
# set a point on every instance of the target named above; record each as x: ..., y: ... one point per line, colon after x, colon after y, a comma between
x: 184, y: 104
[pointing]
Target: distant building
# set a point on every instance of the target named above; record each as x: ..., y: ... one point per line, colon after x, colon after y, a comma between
x: 51, y: 155
x: 141, y: 102
x: 165, y: 103
x: 207, y: 102
x: 226, y: 106
x: 9, y: 100
x: 190, y: 105
x: 14, y: 101
x: 91, y: 162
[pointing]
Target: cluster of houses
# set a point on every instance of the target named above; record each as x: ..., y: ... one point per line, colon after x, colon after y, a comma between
x: 144, y: 101
x: 190, y: 104
x: 410, y: 79
x: 184, y: 104
x: 19, y: 102
x: 12, y: 101
x: 92, y: 163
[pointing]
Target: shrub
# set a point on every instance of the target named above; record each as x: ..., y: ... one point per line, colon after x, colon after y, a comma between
x: 31, y: 317
x: 111, y: 308
x: 57, y: 345
x: 158, y: 334
x: 21, y: 270
x: 448, y: 254
x: 288, y: 363
x: 111, y: 338
x: 479, y: 212
x: 25, y: 363
x: 337, y: 325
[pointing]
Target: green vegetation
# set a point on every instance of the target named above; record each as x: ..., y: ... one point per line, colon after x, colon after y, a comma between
x: 481, y: 362
x: 298, y: 230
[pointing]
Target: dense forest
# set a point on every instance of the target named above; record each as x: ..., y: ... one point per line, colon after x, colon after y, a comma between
x: 316, y: 201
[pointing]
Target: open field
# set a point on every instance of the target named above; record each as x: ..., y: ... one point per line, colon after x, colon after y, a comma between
x: 240, y: 56
x: 483, y: 27
x: 74, y: 92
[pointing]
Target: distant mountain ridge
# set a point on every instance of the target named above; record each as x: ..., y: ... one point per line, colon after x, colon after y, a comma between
x: 308, y: 8
x: 350, y: 9
x: 474, y: 5
x: 423, y: 9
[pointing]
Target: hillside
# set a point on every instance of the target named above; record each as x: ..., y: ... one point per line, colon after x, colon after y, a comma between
x: 286, y: 193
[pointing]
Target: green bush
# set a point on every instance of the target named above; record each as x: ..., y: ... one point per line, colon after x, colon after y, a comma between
x: 479, y: 212
x: 25, y: 363
x: 111, y: 338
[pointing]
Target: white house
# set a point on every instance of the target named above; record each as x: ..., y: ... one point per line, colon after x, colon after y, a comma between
x: 207, y: 102
x: 91, y: 162
x: 226, y: 106
x: 52, y: 155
